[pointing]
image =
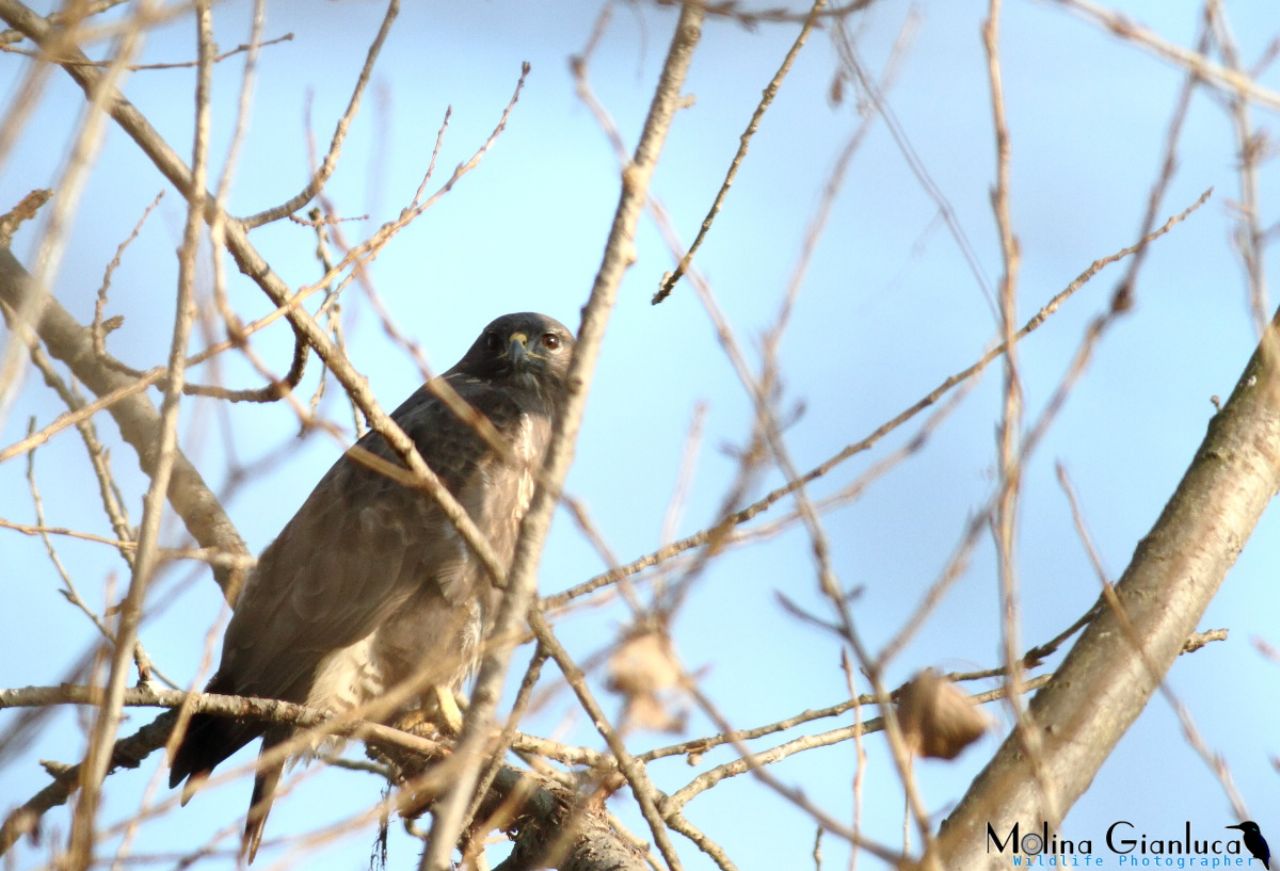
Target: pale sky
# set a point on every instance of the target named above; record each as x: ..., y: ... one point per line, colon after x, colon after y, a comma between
x: 888, y: 309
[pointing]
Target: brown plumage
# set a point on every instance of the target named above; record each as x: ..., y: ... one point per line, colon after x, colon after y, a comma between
x: 369, y: 584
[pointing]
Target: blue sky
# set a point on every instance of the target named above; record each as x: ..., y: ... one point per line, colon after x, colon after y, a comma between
x: 888, y: 310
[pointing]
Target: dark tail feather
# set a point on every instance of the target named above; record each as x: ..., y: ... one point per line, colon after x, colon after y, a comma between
x: 208, y: 741
x: 264, y: 790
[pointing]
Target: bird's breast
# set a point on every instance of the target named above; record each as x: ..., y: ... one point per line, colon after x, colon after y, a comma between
x: 347, y: 677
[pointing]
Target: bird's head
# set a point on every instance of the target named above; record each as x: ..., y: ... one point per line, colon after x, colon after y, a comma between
x: 1247, y: 826
x: 530, y: 348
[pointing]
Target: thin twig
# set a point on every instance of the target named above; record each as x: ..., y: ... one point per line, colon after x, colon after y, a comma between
x: 744, y: 141
x: 1250, y: 241
x: 849, y: 58
x: 133, y: 68
x: 1193, y: 62
x: 1009, y: 460
x: 531, y: 675
x: 646, y: 795
x: 98, y: 756
x: 619, y: 254
x: 679, y: 823
x: 1215, y: 762
x: 67, y: 190
x: 561, y: 599
x: 252, y: 264
x: 330, y: 163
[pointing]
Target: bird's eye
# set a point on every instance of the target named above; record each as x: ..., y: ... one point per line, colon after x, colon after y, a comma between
x: 493, y: 342
x: 550, y: 341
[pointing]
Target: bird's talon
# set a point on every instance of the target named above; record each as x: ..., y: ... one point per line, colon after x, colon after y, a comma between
x: 447, y: 706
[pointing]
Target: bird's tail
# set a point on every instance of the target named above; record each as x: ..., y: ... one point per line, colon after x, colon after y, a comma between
x: 264, y: 791
x: 208, y: 741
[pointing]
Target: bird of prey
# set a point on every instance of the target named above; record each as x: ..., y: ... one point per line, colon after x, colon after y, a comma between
x: 1254, y: 842
x: 370, y: 585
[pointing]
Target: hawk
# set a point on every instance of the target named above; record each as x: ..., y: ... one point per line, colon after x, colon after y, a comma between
x: 369, y: 584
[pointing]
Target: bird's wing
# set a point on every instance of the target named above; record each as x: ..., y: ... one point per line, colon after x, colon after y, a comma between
x: 357, y: 549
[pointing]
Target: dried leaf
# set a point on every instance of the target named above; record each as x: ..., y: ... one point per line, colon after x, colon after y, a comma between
x: 938, y: 720
x: 643, y: 663
x: 835, y: 96
x: 640, y: 669
x: 649, y: 711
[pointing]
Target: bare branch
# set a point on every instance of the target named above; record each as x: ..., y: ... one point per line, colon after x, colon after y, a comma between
x: 133, y: 412
x: 744, y: 141
x: 330, y: 162
x: 619, y: 254
x: 1196, y: 539
x: 764, y: 503
x: 102, y: 739
x: 253, y: 265
x: 133, y: 68
x: 1193, y: 62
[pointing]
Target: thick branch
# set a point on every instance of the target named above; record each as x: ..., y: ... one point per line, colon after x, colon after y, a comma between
x: 136, y: 415
x: 538, y: 813
x: 252, y: 264
x: 1105, y: 683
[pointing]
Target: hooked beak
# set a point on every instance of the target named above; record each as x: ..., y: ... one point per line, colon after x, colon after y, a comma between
x: 518, y: 350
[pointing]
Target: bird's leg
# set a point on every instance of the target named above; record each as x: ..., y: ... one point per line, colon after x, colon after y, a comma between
x: 409, y: 721
x: 447, y: 707
x: 438, y: 706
